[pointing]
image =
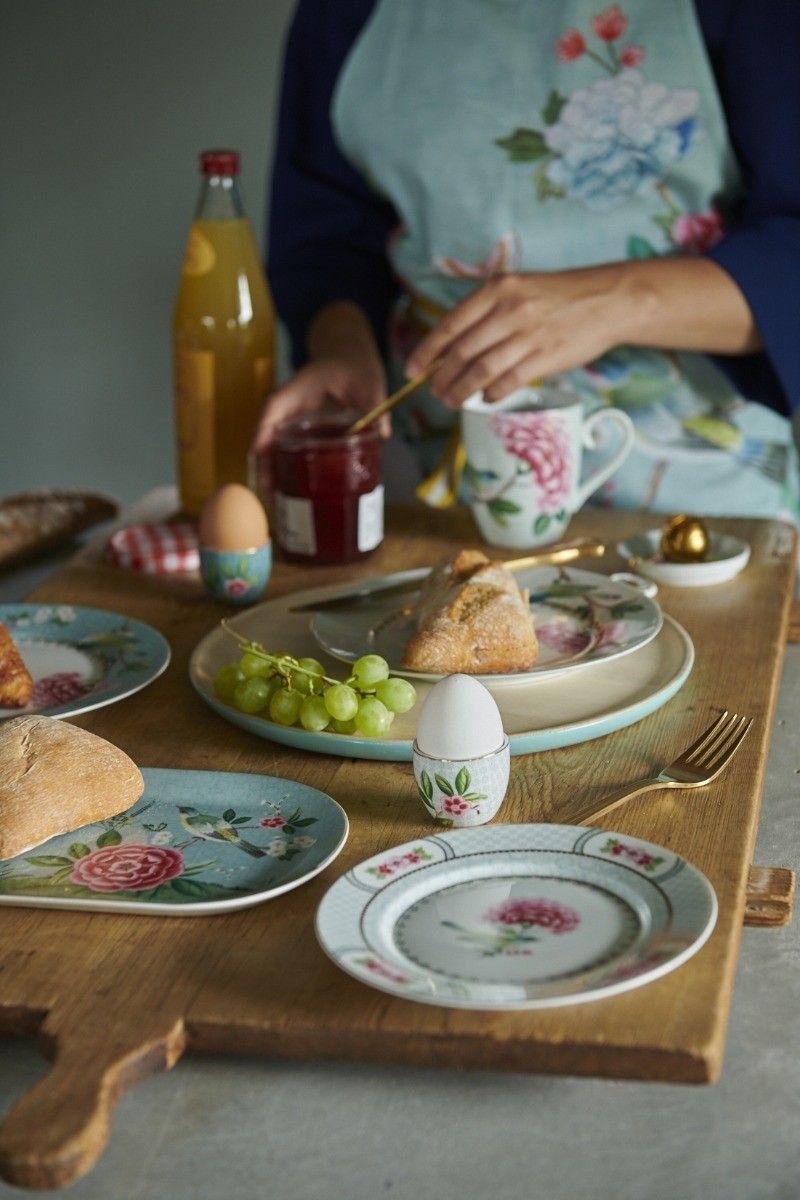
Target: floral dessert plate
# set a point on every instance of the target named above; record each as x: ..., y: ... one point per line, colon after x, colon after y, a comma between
x: 516, y: 916
x: 726, y: 557
x: 581, y: 618
x: 81, y: 658
x: 196, y: 842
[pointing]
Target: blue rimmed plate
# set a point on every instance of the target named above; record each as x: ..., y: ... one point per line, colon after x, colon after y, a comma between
x: 516, y: 916
x: 196, y: 843
x: 82, y: 658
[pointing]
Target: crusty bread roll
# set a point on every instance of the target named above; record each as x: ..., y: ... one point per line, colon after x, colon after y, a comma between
x: 16, y: 685
x: 471, y: 618
x: 55, y: 777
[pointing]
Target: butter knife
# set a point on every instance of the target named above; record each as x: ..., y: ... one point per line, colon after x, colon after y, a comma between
x: 565, y: 553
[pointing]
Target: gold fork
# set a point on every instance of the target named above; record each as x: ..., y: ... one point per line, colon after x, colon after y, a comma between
x: 695, y: 767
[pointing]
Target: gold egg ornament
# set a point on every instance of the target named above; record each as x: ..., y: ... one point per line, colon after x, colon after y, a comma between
x: 684, y: 539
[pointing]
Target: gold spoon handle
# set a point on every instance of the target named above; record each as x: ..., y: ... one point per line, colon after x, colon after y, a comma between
x: 580, y: 548
x: 395, y: 398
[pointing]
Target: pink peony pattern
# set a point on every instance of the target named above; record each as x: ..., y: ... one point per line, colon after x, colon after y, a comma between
x: 563, y: 636
x: 544, y: 914
x: 632, y: 56
x: 570, y: 45
x: 610, y: 24
x: 390, y: 866
x: 60, y: 688
x: 695, y: 233
x: 272, y: 822
x: 127, y: 868
x: 236, y: 587
x: 540, y: 440
x: 454, y: 805
x: 639, y: 858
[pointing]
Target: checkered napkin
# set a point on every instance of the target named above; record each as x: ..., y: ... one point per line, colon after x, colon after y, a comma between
x: 160, y: 549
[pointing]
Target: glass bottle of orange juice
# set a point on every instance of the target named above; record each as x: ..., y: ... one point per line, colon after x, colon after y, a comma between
x: 223, y: 337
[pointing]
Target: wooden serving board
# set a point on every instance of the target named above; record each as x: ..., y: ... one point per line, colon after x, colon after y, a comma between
x: 113, y: 998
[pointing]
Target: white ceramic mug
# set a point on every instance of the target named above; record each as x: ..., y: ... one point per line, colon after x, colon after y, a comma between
x: 524, y: 455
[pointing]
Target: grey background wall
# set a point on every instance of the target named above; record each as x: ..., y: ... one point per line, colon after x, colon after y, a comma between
x: 105, y: 104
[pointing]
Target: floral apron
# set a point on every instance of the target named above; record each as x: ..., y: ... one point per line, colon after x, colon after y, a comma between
x: 538, y: 135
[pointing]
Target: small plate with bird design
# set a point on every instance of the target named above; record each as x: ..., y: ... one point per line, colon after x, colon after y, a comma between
x: 196, y: 842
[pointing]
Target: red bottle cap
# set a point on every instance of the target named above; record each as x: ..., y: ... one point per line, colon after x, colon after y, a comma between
x: 219, y: 162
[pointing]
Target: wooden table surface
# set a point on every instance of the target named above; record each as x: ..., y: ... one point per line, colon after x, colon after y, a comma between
x: 115, y: 997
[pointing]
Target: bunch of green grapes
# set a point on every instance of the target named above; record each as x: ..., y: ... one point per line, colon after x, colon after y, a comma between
x: 296, y: 691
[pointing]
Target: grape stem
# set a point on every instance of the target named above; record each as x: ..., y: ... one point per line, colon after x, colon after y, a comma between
x: 284, y: 664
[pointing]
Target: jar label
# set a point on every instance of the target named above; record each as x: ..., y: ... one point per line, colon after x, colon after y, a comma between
x: 296, y: 532
x: 370, y: 519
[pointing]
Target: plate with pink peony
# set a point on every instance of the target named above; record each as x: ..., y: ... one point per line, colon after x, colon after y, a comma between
x: 81, y: 658
x: 516, y: 916
x: 581, y: 619
x: 195, y: 843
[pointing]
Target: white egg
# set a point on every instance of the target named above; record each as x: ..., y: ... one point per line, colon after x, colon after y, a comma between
x: 459, y: 719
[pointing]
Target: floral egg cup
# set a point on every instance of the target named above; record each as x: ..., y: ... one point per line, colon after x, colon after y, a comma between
x: 461, y: 792
x: 238, y: 577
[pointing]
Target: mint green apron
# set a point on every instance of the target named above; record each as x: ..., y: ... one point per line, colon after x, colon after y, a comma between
x: 538, y: 135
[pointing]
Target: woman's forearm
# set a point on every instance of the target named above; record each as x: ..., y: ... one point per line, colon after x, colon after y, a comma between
x: 681, y: 304
x: 342, y: 330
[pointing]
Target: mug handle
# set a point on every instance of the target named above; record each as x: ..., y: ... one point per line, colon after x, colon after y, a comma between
x: 617, y: 417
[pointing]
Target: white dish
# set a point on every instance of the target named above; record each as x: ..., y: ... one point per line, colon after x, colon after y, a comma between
x: 582, y: 619
x: 516, y: 916
x: 727, y: 556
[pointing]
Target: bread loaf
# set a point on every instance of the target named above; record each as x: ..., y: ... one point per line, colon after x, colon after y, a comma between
x: 471, y: 618
x: 35, y: 522
x: 55, y: 777
x: 16, y: 684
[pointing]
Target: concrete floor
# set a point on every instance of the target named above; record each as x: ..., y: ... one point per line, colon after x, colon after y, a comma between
x: 240, y: 1129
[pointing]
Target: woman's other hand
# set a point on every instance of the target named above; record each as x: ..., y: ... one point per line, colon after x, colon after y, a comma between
x: 346, y: 370
x: 519, y: 328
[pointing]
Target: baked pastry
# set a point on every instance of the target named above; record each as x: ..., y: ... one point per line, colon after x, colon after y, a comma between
x: 16, y: 685
x: 471, y: 618
x: 37, y: 521
x: 55, y: 777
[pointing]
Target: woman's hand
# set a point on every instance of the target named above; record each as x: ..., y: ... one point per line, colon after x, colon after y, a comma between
x: 520, y: 328
x: 346, y: 371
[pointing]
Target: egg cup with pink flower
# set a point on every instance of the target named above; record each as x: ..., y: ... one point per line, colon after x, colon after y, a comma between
x: 461, y: 755
x: 235, y: 549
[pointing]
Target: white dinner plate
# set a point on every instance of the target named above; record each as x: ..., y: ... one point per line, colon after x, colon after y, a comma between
x: 581, y: 619
x: 516, y: 916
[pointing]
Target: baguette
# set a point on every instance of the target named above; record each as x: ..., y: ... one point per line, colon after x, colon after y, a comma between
x: 55, y: 777
x: 471, y: 618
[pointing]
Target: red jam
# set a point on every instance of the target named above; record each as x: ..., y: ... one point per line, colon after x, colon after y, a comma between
x: 328, y: 495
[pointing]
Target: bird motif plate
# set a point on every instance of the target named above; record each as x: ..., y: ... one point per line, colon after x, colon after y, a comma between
x: 516, y: 916
x: 81, y: 658
x: 581, y: 619
x: 196, y: 842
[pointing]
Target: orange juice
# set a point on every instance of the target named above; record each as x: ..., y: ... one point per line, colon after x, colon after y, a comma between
x: 223, y: 339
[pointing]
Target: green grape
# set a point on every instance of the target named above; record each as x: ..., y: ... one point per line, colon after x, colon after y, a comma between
x: 304, y: 682
x: 373, y: 718
x: 314, y: 716
x: 284, y: 707
x: 344, y: 726
x: 254, y: 667
x: 341, y: 701
x: 251, y: 695
x: 397, y: 694
x: 226, y: 680
x: 369, y: 670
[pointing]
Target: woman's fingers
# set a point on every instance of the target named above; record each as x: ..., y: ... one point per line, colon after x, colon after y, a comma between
x: 452, y: 326
x: 481, y: 371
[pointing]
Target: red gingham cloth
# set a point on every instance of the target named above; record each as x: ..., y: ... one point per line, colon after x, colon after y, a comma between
x: 160, y: 549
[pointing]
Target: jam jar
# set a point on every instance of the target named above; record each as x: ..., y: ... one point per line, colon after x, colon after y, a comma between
x: 328, y: 494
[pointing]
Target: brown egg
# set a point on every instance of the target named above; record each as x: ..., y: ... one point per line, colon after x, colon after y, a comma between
x: 233, y: 519
x: 684, y: 539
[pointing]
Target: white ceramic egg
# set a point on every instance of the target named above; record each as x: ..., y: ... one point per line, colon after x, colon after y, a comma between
x: 459, y: 719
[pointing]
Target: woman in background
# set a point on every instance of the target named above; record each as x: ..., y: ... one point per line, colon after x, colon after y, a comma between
x: 530, y: 190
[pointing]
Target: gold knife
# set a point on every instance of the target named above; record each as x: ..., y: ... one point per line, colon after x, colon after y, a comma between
x: 565, y: 553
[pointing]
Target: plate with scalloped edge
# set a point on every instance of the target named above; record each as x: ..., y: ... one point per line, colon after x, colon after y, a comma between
x: 516, y: 916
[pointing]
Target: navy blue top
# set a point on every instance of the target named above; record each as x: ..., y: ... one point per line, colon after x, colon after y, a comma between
x: 328, y: 230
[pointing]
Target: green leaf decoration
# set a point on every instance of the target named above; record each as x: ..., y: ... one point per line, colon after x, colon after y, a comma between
x: 110, y: 838
x: 229, y: 814
x: 78, y: 850
x: 462, y: 781
x: 443, y: 785
x: 552, y: 107
x: 545, y: 188
x: 541, y: 523
x: 425, y: 785
x: 474, y: 796
x: 244, y: 566
x: 306, y: 821
x: 61, y: 874
x: 523, y: 145
x: 228, y: 571
x: 239, y: 820
x: 499, y: 509
x: 561, y: 516
x: 49, y: 860
x: 638, y: 390
x: 639, y: 247
x: 286, y: 829
x: 428, y: 803
x: 189, y: 887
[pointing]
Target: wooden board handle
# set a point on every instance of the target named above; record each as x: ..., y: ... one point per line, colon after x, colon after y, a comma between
x: 793, y: 634
x: 59, y: 1129
x: 769, y: 896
